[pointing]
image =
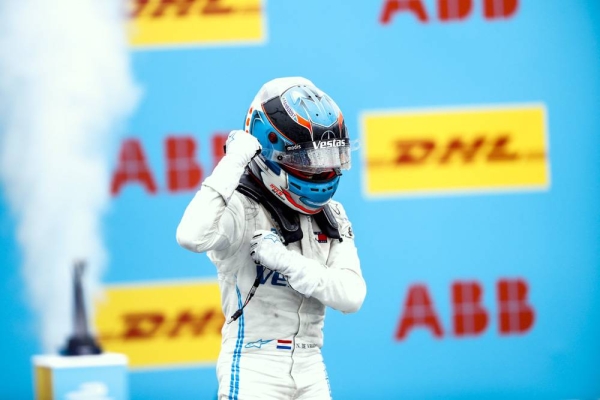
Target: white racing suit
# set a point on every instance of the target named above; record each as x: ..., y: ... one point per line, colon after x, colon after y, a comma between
x: 273, y: 351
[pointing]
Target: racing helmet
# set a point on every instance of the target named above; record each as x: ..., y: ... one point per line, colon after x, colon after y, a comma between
x: 305, y: 144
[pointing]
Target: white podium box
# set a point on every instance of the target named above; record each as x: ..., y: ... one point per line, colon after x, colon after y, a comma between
x: 89, y: 377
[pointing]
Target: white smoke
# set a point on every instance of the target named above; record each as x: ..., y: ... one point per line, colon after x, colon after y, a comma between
x: 65, y: 84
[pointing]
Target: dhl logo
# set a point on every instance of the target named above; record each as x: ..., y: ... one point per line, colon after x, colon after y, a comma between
x: 161, y: 325
x: 460, y: 150
x: 195, y: 22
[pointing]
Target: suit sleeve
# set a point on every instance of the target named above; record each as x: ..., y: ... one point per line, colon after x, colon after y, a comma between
x: 213, y: 219
x: 210, y: 224
x: 338, y: 284
x: 342, y: 286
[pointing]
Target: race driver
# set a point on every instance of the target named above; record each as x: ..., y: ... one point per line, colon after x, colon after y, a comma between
x: 283, y: 249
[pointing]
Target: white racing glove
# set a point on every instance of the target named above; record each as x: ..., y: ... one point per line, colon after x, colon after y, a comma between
x: 302, y: 273
x: 241, y: 148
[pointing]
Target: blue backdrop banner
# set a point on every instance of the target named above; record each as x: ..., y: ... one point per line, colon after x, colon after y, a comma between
x: 474, y: 196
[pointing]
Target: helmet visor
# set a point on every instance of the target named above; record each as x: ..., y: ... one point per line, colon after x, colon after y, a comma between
x: 316, y: 157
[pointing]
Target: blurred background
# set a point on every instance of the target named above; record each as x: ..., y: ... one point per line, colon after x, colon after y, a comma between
x: 474, y: 195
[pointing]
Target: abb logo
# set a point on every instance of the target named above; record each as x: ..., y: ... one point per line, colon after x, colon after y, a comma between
x: 183, y: 172
x: 183, y: 8
x: 448, y: 10
x: 469, y: 316
x: 148, y: 325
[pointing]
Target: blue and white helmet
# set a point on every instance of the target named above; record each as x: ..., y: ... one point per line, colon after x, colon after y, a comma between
x: 304, y: 140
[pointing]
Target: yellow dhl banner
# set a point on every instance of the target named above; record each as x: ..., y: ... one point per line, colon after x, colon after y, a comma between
x: 457, y: 150
x: 160, y: 23
x: 158, y: 325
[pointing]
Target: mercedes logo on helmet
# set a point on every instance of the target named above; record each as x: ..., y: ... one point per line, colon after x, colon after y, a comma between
x: 328, y: 135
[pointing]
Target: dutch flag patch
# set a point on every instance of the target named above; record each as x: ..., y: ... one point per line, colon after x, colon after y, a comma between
x: 284, y: 344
